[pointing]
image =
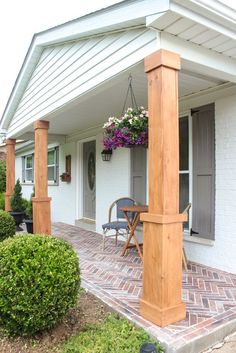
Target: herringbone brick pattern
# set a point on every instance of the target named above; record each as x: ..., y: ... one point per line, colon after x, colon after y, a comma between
x: 209, y: 294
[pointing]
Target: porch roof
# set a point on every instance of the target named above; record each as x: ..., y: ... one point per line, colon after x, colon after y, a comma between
x: 207, y: 28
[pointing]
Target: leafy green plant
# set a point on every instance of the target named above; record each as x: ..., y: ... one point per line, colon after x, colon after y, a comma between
x: 39, y: 282
x: 2, y: 201
x: 16, y: 199
x: 29, y: 209
x: 2, y: 176
x: 115, y: 335
x: 7, y: 225
x: 25, y: 203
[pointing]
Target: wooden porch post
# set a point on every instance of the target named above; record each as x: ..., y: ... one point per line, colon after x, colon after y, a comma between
x: 162, y: 274
x: 10, y: 172
x: 41, y: 201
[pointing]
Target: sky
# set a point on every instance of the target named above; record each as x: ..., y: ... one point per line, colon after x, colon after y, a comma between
x: 19, y: 20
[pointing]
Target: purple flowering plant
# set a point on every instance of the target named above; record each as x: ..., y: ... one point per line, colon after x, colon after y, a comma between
x: 129, y: 131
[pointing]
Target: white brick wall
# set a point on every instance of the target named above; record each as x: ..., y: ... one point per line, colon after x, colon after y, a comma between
x: 223, y: 253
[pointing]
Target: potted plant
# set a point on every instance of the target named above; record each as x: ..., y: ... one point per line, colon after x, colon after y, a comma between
x: 65, y: 177
x: 129, y: 131
x: 17, y: 206
x: 29, y: 215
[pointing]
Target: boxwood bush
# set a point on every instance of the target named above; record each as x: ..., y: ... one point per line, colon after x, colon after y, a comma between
x: 39, y: 282
x: 2, y: 201
x: 7, y: 225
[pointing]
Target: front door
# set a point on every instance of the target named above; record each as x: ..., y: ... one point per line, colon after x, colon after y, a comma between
x: 89, y: 179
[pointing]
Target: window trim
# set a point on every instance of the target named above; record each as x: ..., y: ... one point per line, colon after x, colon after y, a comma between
x: 190, y: 164
x: 24, y: 176
x: 55, y: 165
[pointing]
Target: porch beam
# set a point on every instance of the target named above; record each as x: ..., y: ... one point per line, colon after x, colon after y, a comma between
x: 41, y: 201
x: 30, y: 136
x: 162, y: 261
x: 10, y: 171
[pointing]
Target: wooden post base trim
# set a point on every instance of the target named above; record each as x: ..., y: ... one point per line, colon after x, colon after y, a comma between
x: 162, y: 317
x: 41, y: 215
x: 41, y: 199
x: 163, y: 219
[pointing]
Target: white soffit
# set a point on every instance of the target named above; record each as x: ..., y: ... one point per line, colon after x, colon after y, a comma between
x: 196, y: 28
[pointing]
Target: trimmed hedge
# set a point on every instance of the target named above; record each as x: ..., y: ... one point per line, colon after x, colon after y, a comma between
x: 39, y: 282
x: 7, y: 225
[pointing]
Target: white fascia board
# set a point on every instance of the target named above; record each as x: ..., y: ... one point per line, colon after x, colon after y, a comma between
x: 100, y: 21
x: 228, y: 29
x: 120, y: 15
x: 199, y: 59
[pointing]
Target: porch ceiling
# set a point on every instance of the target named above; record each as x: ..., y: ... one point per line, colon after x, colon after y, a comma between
x: 95, y: 108
x: 182, y: 23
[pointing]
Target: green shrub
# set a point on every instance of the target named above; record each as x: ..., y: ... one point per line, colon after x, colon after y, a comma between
x: 112, y: 336
x: 29, y: 209
x: 16, y: 198
x: 7, y: 225
x: 25, y: 204
x: 39, y: 282
x: 2, y: 176
x: 2, y: 201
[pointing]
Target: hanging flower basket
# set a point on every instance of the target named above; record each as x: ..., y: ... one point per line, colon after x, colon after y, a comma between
x: 129, y: 131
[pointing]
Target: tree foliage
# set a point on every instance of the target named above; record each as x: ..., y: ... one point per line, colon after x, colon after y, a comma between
x: 2, y: 176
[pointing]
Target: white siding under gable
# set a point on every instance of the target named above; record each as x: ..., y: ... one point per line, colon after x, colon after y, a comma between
x: 67, y: 71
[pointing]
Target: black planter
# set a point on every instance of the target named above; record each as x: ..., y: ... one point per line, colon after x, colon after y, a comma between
x: 29, y: 225
x: 18, y: 218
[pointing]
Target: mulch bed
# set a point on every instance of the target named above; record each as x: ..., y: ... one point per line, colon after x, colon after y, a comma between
x: 88, y: 310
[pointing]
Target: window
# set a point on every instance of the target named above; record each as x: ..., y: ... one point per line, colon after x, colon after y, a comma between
x: 53, y: 165
x: 184, y: 165
x: 28, y: 169
x: 53, y: 170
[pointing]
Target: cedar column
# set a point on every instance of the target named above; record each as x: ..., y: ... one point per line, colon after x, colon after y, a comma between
x: 162, y: 273
x: 10, y: 172
x: 41, y: 201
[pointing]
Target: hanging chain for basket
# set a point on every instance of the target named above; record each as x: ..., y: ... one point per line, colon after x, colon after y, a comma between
x: 130, y: 92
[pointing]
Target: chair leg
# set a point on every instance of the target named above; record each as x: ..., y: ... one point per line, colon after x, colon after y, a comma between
x: 117, y: 233
x: 184, y: 259
x: 103, y: 240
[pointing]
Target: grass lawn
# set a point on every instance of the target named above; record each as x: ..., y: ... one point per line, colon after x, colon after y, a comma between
x: 89, y: 328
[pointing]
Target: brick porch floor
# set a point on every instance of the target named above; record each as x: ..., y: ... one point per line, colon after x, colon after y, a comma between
x: 209, y: 294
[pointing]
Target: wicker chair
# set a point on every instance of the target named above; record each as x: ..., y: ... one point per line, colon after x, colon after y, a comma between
x: 119, y: 225
x: 184, y: 256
